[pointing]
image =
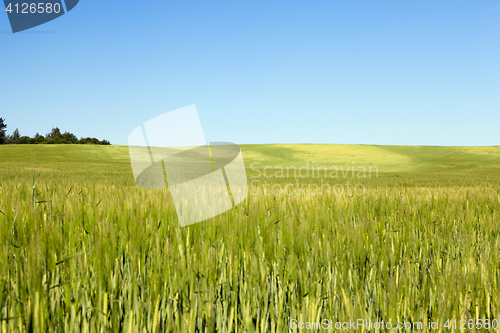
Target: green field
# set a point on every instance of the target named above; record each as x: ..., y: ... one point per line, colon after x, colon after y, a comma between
x: 85, y: 250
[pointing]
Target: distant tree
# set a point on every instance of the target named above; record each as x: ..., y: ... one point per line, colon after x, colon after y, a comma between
x: 38, y: 139
x: 24, y: 140
x: 3, y: 127
x: 90, y: 141
x: 69, y: 138
x: 15, y: 136
x: 55, y: 133
x: 53, y: 137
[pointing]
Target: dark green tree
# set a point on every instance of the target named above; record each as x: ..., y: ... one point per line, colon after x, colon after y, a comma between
x: 3, y: 128
x: 15, y: 136
x: 24, y: 140
x: 38, y: 139
x: 69, y: 138
x: 54, y: 134
x: 53, y: 137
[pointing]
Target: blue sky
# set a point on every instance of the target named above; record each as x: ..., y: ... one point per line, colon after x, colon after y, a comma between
x: 262, y: 71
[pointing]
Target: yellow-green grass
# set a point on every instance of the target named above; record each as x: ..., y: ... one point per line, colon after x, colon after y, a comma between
x: 83, y: 249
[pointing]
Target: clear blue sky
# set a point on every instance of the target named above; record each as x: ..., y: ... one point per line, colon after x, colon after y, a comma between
x: 262, y: 71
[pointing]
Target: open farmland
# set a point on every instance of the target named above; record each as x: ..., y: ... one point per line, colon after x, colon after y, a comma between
x: 85, y: 250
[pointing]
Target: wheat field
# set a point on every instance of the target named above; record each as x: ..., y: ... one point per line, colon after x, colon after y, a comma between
x: 85, y: 250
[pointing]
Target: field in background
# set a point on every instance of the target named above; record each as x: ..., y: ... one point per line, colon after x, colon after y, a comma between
x: 83, y: 249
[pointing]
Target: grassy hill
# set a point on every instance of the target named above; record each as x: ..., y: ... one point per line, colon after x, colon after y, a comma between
x: 401, y: 159
x: 415, y: 164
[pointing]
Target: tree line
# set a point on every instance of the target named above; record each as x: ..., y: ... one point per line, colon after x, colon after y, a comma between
x: 53, y: 137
